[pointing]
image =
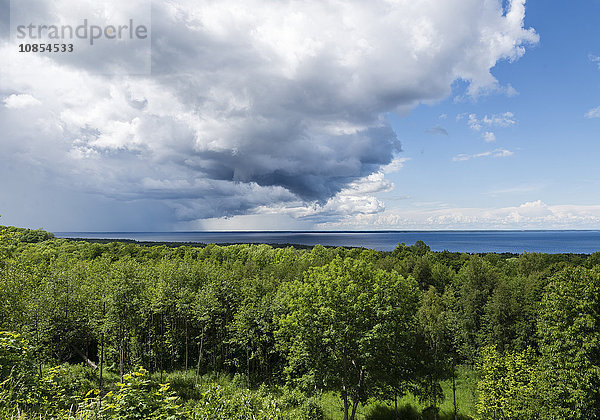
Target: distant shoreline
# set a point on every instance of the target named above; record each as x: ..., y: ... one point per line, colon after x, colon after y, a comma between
x: 172, y: 244
x: 480, y: 242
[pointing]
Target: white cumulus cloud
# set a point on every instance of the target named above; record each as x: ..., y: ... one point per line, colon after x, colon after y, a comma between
x: 529, y: 215
x: 21, y: 101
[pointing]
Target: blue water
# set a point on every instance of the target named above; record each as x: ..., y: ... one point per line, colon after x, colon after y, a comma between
x: 550, y: 241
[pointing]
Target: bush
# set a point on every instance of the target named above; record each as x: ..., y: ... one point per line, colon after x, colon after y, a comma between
x: 137, y: 398
x: 34, y: 236
x: 22, y: 388
x: 222, y: 403
x: 311, y: 409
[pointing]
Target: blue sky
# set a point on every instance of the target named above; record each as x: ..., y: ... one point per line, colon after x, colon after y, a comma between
x: 555, y: 146
x: 459, y: 114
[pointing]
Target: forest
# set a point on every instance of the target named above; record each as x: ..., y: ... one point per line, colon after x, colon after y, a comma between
x: 130, y: 331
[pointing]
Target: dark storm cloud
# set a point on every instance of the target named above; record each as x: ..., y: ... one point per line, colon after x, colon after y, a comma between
x: 252, y: 106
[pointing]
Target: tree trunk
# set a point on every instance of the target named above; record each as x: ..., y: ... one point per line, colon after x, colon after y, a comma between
x: 121, y: 359
x: 361, y: 376
x: 434, y: 379
x: 162, y: 343
x: 354, y: 407
x: 85, y: 358
x: 171, y: 346
x: 101, y: 359
x: 37, y: 333
x: 454, y: 390
x: 434, y: 389
x: 346, y: 408
x: 248, y: 367
x: 186, y: 345
x: 102, y: 347
x: 199, y: 357
x: 121, y: 356
x: 121, y: 349
x: 345, y: 398
x: 344, y: 388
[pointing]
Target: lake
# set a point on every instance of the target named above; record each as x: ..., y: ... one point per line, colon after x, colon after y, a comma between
x: 550, y: 241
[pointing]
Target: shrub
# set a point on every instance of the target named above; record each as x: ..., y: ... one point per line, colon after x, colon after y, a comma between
x: 136, y: 398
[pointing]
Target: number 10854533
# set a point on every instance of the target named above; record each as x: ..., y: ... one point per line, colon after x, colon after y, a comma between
x: 46, y: 48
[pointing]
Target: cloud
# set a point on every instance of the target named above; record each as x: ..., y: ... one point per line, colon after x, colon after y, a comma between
x: 518, y: 189
x: 489, y: 137
x: 20, y: 101
x: 503, y: 120
x: 594, y: 59
x: 593, y: 113
x: 510, y: 91
x: 356, y: 198
x: 437, y: 130
x: 496, y: 153
x: 395, y: 165
x: 529, y: 215
x: 474, y: 123
x: 252, y: 105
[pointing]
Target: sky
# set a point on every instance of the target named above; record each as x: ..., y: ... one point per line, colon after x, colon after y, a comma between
x: 303, y: 115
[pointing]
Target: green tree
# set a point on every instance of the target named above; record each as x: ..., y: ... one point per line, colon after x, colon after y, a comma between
x: 569, y: 330
x: 433, y: 321
x: 252, y: 328
x: 506, y: 388
x: 475, y: 283
x: 340, y: 320
x: 510, y: 316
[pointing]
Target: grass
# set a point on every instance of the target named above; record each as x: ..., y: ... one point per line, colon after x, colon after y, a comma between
x: 409, y: 407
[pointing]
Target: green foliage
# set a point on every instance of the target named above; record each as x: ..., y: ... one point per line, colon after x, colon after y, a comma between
x: 434, y: 324
x: 341, y: 322
x: 9, y: 234
x: 229, y: 399
x: 18, y: 378
x: 475, y: 284
x: 506, y: 389
x: 218, y: 403
x: 15, y: 355
x: 23, y: 387
x: 374, y: 326
x: 136, y: 398
x: 510, y: 314
x: 569, y: 329
x: 34, y: 236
